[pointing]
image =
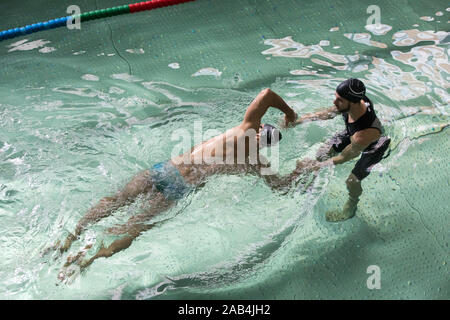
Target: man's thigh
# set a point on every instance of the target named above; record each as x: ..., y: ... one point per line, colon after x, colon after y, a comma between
x: 370, y: 158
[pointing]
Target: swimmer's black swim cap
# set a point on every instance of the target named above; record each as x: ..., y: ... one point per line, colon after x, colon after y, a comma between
x: 269, y: 135
x: 352, y: 89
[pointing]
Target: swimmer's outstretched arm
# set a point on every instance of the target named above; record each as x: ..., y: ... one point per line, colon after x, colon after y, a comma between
x: 320, y: 115
x: 303, y: 167
x: 266, y: 99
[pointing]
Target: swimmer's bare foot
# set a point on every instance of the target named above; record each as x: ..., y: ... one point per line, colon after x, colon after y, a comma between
x: 102, y: 252
x: 67, y: 275
x: 81, y: 254
x: 70, y: 238
x: 67, y: 272
x: 86, y: 263
x: 347, y: 212
x: 50, y: 248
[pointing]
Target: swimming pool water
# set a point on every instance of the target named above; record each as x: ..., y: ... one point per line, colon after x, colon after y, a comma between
x: 83, y: 111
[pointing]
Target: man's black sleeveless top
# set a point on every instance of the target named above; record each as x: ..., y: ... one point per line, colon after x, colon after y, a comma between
x: 367, y: 120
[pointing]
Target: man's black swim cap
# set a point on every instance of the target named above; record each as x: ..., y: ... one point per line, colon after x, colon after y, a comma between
x: 352, y: 89
x: 269, y: 135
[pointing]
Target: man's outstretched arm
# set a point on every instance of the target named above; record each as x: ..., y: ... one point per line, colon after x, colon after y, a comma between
x: 327, y: 114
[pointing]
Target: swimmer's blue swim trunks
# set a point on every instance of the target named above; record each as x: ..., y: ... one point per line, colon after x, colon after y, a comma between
x: 167, y: 179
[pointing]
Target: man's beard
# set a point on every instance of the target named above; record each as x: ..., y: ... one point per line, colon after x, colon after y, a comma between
x: 343, y: 110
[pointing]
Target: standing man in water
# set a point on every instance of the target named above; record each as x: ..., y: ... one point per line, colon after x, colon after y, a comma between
x: 234, y: 152
x: 363, y: 134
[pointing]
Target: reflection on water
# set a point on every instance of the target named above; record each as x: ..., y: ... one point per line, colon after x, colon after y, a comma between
x: 411, y: 37
x: 23, y: 45
x: 208, y: 72
x: 430, y: 61
x: 378, y: 28
x: 68, y: 141
x: 364, y: 38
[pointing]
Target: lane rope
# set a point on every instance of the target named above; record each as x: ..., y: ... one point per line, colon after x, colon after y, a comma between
x: 87, y: 16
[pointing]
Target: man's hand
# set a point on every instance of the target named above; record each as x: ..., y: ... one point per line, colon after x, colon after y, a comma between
x: 307, y: 164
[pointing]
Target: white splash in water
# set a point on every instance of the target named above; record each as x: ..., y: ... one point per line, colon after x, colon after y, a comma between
x: 174, y: 65
x: 378, y: 28
x: 283, y: 48
x: 136, y: 51
x: 207, y: 72
x: 5, y: 147
x: 18, y: 43
x: 47, y: 49
x: 90, y: 77
x: 78, y: 53
x: 116, y: 90
x: 125, y: 77
x: 102, y: 169
x: 308, y: 73
x: 364, y: 38
x: 48, y: 105
x: 23, y: 45
x: 82, y: 92
x: 16, y: 161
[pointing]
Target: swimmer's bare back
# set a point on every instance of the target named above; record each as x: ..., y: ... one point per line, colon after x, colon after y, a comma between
x: 237, y: 149
x: 225, y: 153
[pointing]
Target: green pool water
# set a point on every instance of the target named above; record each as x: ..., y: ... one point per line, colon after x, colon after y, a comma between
x: 83, y: 111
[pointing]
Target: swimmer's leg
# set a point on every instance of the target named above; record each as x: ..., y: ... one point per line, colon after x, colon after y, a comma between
x: 133, y: 228
x: 354, y: 191
x: 157, y: 204
x: 118, y: 245
x: 139, y: 184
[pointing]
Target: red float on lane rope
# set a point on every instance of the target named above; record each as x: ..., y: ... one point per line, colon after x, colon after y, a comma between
x: 149, y: 5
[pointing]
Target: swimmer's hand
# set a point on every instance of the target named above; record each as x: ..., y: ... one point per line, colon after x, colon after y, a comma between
x: 289, y: 121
